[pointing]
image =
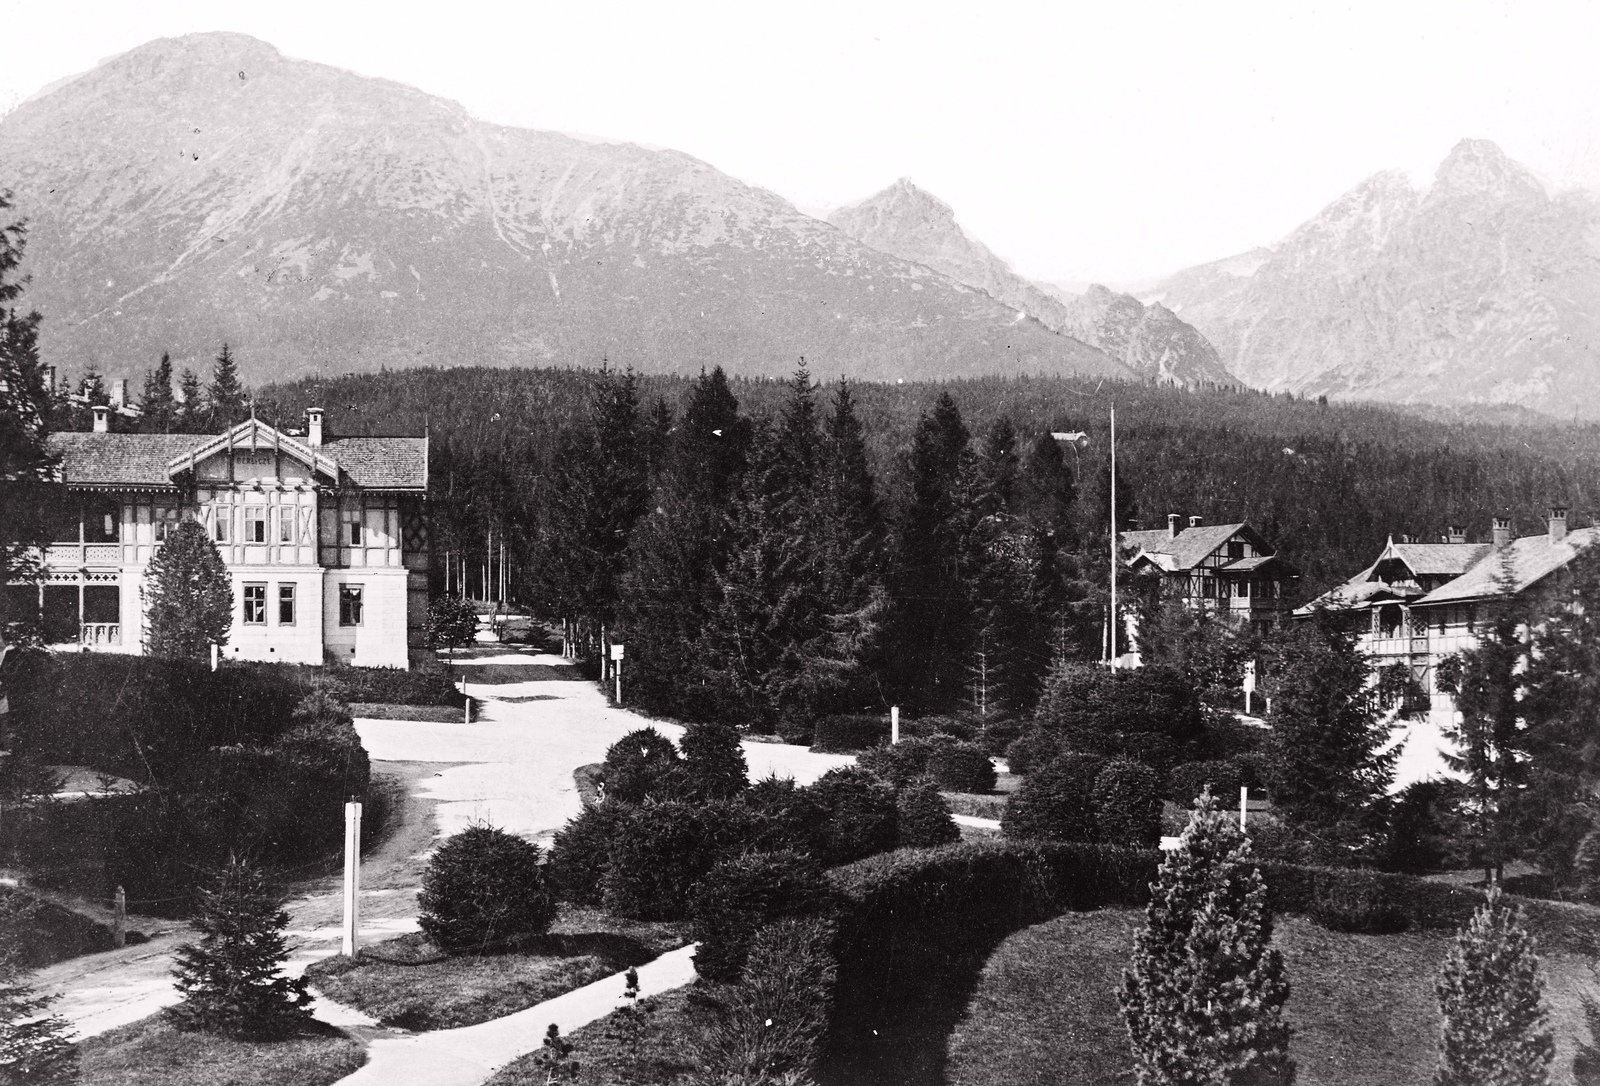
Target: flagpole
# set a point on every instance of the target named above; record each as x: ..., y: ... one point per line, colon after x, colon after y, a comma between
x: 1111, y: 630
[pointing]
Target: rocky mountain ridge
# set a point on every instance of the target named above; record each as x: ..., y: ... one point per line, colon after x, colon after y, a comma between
x: 205, y: 189
x: 907, y: 222
x: 1480, y: 288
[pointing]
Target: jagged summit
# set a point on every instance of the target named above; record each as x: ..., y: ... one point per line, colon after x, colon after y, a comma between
x: 1480, y: 288
x: 207, y: 188
x: 908, y: 222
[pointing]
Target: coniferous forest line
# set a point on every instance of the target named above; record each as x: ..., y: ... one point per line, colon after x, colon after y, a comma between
x: 769, y: 547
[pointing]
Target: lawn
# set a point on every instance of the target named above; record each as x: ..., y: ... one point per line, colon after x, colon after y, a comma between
x: 1363, y: 1009
x: 650, y: 1045
x: 152, y: 1052
x: 409, y: 983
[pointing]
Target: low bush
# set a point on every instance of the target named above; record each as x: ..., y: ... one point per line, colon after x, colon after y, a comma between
x: 860, y: 812
x: 41, y: 933
x: 642, y: 763
x: 1031, y: 750
x: 740, y: 895
x: 961, y: 767
x: 1228, y: 738
x: 797, y: 728
x: 713, y: 762
x: 898, y: 763
x: 848, y: 733
x: 774, y: 1024
x: 483, y: 887
x: 784, y: 816
x: 1224, y: 776
x: 1056, y: 802
x: 580, y: 851
x: 922, y: 818
x: 385, y: 684
x: 929, y: 726
x: 661, y: 850
x: 1127, y: 805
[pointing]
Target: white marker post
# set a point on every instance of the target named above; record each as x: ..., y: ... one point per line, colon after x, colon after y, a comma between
x: 894, y: 724
x: 119, y: 918
x: 616, y: 667
x: 1244, y: 797
x: 214, y: 654
x: 1249, y: 683
x: 352, y: 878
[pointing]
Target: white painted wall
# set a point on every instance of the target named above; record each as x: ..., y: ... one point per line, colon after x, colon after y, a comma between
x: 380, y: 640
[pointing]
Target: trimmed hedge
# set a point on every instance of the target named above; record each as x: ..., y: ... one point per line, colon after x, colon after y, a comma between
x: 661, y: 850
x: 580, y: 850
x: 923, y: 818
x: 1127, y: 805
x: 483, y: 887
x: 899, y: 763
x: 1032, y: 750
x: 962, y: 767
x: 642, y: 763
x: 860, y: 815
x: 740, y: 895
x: 1056, y: 802
x: 774, y: 1024
x: 1225, y: 776
x: 848, y: 733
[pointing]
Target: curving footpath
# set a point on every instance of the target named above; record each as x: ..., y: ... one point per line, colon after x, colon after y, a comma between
x: 469, y: 1055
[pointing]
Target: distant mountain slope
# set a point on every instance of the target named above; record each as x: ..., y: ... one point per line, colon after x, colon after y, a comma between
x: 206, y: 188
x: 1479, y: 289
x: 906, y: 222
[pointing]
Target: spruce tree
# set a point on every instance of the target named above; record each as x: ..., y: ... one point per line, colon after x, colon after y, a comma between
x: 157, y: 409
x: 27, y: 489
x: 1204, y: 995
x: 1327, y: 762
x: 225, y: 397
x: 190, y: 413
x: 34, y: 1045
x: 1496, y: 1031
x: 231, y: 979
x: 188, y: 596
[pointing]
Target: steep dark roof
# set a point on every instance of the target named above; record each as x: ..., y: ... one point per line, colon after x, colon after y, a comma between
x: 142, y: 460
x: 119, y: 459
x: 1184, y: 550
x: 1436, y: 559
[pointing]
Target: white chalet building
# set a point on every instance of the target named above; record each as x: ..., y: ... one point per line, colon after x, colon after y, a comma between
x: 324, y: 540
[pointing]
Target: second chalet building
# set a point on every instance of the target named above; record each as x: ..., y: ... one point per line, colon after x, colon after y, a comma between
x: 324, y: 539
x: 1225, y: 568
x: 1419, y: 603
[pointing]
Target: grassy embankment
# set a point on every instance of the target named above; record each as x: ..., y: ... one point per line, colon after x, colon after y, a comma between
x: 151, y: 1052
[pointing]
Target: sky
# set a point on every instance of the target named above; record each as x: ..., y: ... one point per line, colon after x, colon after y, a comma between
x: 1111, y: 141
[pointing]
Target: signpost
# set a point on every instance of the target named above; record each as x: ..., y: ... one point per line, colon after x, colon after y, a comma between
x: 352, y: 878
x: 616, y: 660
x: 894, y: 724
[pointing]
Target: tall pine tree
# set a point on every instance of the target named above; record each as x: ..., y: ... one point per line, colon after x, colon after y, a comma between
x: 188, y: 597
x: 1204, y: 995
x: 26, y: 466
x: 191, y: 416
x: 157, y: 409
x: 225, y: 397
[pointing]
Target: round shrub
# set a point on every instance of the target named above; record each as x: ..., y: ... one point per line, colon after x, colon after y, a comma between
x: 740, y: 895
x: 922, y: 818
x: 899, y: 763
x: 642, y: 763
x: 1056, y: 801
x: 713, y: 762
x: 482, y: 887
x: 663, y: 848
x: 962, y: 767
x: 580, y: 851
x: 860, y: 814
x: 1031, y: 750
x: 1127, y: 805
x: 848, y: 733
x: 784, y: 816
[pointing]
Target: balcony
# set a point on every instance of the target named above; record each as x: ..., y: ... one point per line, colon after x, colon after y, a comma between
x: 100, y: 633
x: 77, y: 555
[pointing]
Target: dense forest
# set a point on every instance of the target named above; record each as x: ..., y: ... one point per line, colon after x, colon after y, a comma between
x: 835, y: 546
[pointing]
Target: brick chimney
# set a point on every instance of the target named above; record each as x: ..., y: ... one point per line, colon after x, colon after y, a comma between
x: 1502, y: 532
x: 1455, y: 534
x: 314, y: 427
x: 1172, y: 525
x: 1194, y: 522
x: 102, y: 419
x: 1558, y: 523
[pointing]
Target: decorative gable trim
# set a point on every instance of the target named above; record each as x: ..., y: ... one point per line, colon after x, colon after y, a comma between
x: 253, y: 434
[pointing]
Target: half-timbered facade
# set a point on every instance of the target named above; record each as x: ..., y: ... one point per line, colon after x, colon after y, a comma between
x: 324, y: 540
x: 1225, y: 568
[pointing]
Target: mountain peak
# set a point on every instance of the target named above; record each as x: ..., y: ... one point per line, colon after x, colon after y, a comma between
x: 1480, y: 166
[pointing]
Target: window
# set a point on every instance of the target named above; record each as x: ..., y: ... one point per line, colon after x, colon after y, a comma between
x: 222, y: 527
x: 166, y: 519
x: 286, y: 605
x: 355, y: 533
x: 255, y: 524
x: 286, y: 514
x: 349, y: 605
x: 255, y: 605
x: 1235, y: 549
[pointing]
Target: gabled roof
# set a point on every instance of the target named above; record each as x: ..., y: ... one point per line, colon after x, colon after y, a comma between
x: 1189, y: 547
x: 152, y: 460
x: 1516, y: 566
x: 1435, y: 559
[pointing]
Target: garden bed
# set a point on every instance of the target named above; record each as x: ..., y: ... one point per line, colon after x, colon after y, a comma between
x: 1044, y: 1010
x: 652, y: 1044
x: 153, y: 1052
x: 409, y: 983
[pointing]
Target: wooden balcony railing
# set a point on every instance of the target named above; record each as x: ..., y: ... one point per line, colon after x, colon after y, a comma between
x: 101, y: 633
